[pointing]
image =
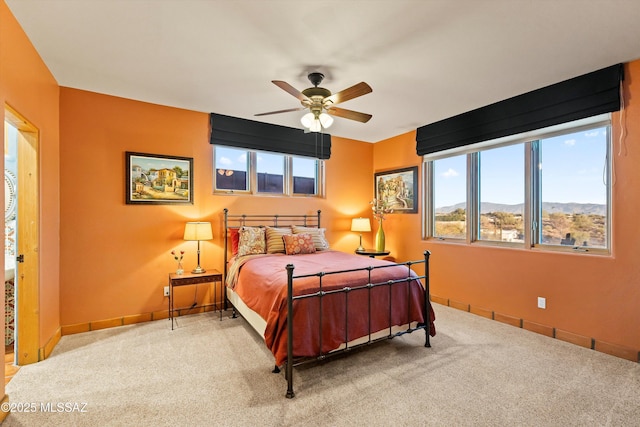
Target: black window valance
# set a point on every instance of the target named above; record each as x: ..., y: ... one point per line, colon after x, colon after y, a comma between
x: 578, y: 98
x: 252, y: 135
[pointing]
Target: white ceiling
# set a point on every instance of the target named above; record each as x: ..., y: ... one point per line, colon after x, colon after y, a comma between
x: 426, y: 60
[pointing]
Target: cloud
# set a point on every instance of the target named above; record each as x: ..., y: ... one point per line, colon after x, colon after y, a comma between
x: 225, y: 161
x: 450, y: 173
x: 592, y: 134
x: 570, y: 142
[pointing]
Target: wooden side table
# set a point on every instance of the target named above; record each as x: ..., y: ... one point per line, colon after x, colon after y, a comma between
x: 209, y: 276
x: 372, y: 253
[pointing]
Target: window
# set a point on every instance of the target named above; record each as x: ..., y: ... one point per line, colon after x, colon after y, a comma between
x: 548, y: 188
x: 574, y: 189
x: 270, y: 169
x: 232, y: 166
x: 450, y: 197
x: 501, y: 194
x: 257, y: 172
x: 305, y: 175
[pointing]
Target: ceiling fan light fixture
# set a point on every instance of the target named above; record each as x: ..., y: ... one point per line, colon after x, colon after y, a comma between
x: 326, y: 120
x: 315, y: 123
x: 307, y: 120
x: 316, y: 126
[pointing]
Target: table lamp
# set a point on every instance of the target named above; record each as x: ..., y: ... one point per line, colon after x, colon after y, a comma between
x: 360, y: 225
x: 198, y: 231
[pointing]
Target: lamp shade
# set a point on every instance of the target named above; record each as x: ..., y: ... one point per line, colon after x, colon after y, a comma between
x: 360, y: 224
x: 325, y: 119
x: 316, y: 122
x: 307, y: 120
x: 198, y: 231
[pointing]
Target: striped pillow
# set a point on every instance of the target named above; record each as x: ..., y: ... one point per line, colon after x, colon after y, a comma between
x: 275, y: 244
x: 317, y: 234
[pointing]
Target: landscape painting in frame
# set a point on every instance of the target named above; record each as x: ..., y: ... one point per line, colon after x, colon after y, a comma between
x: 156, y: 179
x: 397, y: 189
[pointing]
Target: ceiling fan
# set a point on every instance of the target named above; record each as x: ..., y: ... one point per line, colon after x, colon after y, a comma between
x: 321, y: 103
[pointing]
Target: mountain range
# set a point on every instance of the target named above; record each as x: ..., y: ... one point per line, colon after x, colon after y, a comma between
x: 550, y: 207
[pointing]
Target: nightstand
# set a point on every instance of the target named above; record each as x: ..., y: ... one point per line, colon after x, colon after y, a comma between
x: 372, y: 253
x: 209, y: 276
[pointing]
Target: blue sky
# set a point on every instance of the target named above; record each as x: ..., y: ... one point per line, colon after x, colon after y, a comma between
x: 230, y: 158
x: 572, y: 171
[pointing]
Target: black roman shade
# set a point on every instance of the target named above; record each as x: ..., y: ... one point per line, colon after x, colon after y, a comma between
x: 252, y: 135
x: 578, y: 98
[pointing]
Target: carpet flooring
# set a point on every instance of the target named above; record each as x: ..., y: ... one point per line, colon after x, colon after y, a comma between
x: 208, y: 372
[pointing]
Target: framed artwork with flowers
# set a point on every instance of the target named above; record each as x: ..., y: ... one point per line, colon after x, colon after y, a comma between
x: 397, y: 190
x: 154, y: 179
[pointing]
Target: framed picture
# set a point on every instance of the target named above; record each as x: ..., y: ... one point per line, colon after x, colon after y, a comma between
x: 398, y: 189
x: 155, y: 179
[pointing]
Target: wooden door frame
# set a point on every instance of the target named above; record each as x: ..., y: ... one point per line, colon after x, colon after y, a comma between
x: 28, y: 239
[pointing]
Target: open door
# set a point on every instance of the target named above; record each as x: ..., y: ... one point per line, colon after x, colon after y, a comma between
x: 27, y: 238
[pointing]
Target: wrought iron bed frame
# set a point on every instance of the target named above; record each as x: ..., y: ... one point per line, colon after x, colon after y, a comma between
x: 308, y: 220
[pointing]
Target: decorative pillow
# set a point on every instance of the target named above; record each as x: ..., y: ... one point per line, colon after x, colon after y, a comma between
x: 235, y: 239
x: 317, y: 233
x: 275, y: 244
x: 296, y: 244
x: 252, y: 241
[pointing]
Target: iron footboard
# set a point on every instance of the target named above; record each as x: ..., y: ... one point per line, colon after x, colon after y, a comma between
x: 291, y: 361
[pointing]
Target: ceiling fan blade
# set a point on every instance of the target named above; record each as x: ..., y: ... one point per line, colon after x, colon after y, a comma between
x: 349, y: 114
x: 352, y: 92
x: 290, y: 89
x: 281, y: 111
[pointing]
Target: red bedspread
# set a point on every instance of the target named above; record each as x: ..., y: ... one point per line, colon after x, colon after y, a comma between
x: 262, y: 285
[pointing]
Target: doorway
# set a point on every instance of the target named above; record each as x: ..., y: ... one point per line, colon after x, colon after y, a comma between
x: 21, y: 238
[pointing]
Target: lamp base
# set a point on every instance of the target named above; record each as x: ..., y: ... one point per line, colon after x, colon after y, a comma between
x: 360, y: 248
x: 198, y: 270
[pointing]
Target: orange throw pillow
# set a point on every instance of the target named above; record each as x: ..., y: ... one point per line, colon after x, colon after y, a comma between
x: 296, y: 244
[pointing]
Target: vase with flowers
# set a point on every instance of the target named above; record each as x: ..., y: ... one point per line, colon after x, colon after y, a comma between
x: 178, y: 257
x: 380, y: 208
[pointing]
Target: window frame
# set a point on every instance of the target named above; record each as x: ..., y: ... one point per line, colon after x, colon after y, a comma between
x: 252, y: 178
x: 532, y: 214
x: 285, y: 165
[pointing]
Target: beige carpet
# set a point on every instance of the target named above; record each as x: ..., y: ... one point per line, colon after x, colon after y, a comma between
x: 209, y: 372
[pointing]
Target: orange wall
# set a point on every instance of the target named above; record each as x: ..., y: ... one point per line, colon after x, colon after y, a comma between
x: 101, y: 258
x: 593, y: 296
x: 115, y: 257
x: 27, y: 85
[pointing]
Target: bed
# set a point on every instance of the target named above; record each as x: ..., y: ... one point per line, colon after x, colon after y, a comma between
x: 310, y: 302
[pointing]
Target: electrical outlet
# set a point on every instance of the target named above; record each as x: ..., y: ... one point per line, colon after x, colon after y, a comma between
x: 166, y: 291
x: 542, y: 302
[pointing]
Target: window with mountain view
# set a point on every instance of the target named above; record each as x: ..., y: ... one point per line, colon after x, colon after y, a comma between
x: 562, y: 175
x: 501, y: 194
x: 574, y: 188
x: 450, y: 197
